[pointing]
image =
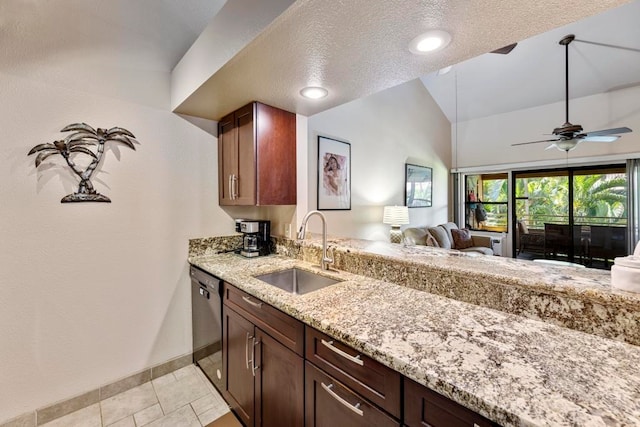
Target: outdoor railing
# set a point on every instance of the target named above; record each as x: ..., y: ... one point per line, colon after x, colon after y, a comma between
x: 538, y: 221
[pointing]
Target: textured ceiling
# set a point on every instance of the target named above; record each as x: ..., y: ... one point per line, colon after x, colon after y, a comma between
x: 533, y: 73
x: 358, y: 47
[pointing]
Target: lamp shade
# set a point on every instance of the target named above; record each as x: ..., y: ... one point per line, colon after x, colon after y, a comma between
x: 396, y: 215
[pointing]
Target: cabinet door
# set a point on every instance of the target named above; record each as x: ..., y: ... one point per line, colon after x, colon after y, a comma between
x: 329, y: 403
x: 276, y: 156
x: 227, y: 159
x: 245, y: 184
x: 238, y: 339
x: 279, y: 384
x: 425, y: 407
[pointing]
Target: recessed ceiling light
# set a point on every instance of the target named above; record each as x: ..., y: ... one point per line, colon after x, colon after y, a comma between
x: 430, y: 41
x: 314, y: 92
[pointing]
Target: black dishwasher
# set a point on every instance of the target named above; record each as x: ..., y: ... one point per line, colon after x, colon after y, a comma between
x: 206, y: 316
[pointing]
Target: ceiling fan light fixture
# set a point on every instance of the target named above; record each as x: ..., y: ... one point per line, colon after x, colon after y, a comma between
x: 314, y: 92
x: 429, y: 42
x: 566, y: 144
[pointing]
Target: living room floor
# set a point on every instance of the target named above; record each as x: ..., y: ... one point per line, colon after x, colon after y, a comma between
x: 183, y: 398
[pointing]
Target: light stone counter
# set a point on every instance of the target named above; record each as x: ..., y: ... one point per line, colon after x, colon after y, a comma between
x: 577, y: 298
x: 513, y: 370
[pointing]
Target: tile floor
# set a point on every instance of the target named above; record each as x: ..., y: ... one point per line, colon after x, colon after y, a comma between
x: 183, y: 398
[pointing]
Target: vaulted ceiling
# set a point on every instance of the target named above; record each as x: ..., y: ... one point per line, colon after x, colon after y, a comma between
x: 533, y: 73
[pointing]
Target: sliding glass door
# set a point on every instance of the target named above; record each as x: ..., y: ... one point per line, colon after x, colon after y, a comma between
x: 576, y: 215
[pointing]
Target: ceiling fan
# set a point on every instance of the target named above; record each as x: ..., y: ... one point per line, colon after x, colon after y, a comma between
x: 568, y: 136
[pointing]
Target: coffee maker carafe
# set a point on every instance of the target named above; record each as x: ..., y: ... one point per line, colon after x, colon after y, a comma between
x: 256, y: 239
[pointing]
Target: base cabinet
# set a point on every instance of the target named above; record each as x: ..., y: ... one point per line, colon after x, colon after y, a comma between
x: 279, y: 384
x: 264, y: 378
x: 238, y: 336
x: 424, y: 407
x: 329, y: 403
x: 280, y: 373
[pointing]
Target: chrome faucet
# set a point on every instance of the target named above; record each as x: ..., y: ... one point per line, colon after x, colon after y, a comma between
x: 324, y: 264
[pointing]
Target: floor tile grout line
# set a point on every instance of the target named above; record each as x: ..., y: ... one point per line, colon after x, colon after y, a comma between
x: 153, y: 386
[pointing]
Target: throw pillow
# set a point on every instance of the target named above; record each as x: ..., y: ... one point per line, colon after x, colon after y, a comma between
x: 415, y: 236
x: 448, y: 226
x: 523, y: 227
x: 440, y: 235
x: 430, y: 241
x: 462, y: 238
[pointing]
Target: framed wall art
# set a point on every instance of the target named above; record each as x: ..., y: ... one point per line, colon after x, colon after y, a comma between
x: 334, y: 174
x: 418, y: 186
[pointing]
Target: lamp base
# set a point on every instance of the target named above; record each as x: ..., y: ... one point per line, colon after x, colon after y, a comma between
x: 395, y: 235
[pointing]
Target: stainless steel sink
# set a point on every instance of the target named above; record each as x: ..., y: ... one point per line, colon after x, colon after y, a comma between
x: 297, y: 281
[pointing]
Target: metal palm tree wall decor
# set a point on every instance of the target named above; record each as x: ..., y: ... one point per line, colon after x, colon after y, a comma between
x: 83, y: 137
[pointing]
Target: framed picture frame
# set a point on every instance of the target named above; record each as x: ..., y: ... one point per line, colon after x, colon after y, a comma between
x: 418, y: 190
x: 334, y: 174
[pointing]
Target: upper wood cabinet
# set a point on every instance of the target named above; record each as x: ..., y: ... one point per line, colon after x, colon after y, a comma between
x: 257, y: 157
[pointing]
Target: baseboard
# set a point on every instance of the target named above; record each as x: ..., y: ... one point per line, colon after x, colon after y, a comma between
x: 59, y: 409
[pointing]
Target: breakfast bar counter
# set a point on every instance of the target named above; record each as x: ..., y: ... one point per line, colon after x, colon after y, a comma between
x: 513, y: 370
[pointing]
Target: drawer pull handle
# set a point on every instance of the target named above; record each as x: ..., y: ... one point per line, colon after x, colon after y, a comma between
x: 354, y: 359
x: 255, y: 304
x: 355, y: 408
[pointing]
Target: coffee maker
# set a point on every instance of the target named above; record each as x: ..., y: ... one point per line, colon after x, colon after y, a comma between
x: 257, y: 237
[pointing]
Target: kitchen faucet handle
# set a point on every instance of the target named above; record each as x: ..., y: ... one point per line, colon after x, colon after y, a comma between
x: 329, y: 259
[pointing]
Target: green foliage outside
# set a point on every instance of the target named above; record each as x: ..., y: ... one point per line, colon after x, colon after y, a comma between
x: 599, y: 199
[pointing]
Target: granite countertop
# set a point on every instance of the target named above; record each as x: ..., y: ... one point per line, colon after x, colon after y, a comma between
x: 513, y: 370
x: 587, y: 283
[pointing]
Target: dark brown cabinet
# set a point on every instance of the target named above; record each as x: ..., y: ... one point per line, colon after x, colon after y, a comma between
x: 279, y: 372
x: 425, y: 407
x: 238, y: 336
x: 257, y: 157
x: 264, y: 376
x: 329, y: 403
x: 346, y: 388
x: 372, y: 380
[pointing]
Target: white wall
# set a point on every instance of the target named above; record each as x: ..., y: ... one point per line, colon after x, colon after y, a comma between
x: 487, y: 141
x: 386, y: 130
x: 90, y: 293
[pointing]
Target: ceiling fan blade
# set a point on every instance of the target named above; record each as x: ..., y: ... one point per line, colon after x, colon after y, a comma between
x: 608, y: 132
x: 505, y: 49
x: 604, y: 138
x: 535, y: 142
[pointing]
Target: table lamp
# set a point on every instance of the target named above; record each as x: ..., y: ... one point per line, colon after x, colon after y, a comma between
x: 396, y: 216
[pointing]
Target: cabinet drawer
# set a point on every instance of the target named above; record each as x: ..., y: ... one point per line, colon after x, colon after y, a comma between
x: 371, y: 379
x: 281, y: 326
x: 423, y: 406
x: 329, y: 403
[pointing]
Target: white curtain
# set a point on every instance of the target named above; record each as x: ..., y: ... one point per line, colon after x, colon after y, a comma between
x: 633, y: 199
